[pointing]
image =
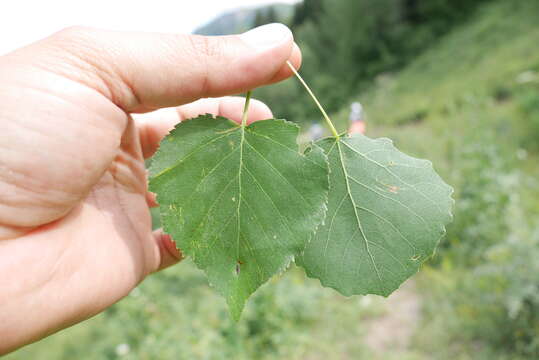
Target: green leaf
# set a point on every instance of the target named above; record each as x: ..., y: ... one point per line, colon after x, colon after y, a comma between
x: 241, y: 201
x: 386, y: 214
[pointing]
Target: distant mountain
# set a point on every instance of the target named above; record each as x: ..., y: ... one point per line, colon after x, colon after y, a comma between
x: 240, y: 20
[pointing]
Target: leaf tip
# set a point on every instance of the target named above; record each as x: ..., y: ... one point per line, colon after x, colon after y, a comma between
x: 235, y: 307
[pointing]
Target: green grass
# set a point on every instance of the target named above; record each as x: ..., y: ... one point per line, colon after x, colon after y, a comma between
x: 175, y: 315
x: 464, y: 69
x: 458, y: 101
x: 465, y: 90
x: 451, y: 90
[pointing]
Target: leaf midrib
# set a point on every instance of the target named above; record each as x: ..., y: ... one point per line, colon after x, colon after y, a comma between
x: 242, y: 141
x: 358, y: 221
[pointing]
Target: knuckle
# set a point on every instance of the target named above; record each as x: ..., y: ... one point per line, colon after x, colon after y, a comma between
x: 75, y: 33
x: 207, y: 52
x: 205, y: 47
x: 78, y: 41
x: 89, y: 57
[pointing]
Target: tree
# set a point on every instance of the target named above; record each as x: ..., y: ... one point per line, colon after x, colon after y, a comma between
x: 307, y: 10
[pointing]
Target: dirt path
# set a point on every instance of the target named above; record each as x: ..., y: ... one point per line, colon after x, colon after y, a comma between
x: 394, y: 329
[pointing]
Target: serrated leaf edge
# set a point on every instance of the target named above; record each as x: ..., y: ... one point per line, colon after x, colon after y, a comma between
x: 442, y: 228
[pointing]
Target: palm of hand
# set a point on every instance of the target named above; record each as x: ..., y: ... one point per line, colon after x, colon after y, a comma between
x: 73, y: 170
x: 75, y: 227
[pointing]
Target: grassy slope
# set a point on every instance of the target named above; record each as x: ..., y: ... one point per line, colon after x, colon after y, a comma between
x: 452, y: 90
x: 463, y: 90
x: 464, y: 94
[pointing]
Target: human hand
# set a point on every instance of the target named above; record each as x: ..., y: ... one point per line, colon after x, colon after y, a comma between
x: 75, y: 228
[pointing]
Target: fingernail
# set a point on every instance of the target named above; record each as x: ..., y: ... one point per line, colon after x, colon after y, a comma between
x: 171, y: 246
x: 266, y: 36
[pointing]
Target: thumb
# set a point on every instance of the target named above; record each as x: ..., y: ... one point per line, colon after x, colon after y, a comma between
x: 141, y: 72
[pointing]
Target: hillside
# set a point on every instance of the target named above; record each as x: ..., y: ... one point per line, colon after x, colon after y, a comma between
x: 240, y: 20
x: 471, y: 105
x: 478, y: 75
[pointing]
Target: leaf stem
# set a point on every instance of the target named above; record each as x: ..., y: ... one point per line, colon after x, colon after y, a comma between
x: 326, y: 117
x: 246, y: 109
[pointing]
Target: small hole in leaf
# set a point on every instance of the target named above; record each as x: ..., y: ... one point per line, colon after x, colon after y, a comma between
x: 238, y: 267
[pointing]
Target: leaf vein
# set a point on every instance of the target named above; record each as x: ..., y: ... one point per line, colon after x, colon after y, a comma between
x: 391, y: 224
x: 390, y: 198
x: 281, y: 217
x: 279, y: 173
x: 177, y: 163
x: 380, y: 282
x: 395, y: 175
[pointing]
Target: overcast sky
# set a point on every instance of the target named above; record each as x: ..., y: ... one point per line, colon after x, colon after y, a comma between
x: 25, y: 21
